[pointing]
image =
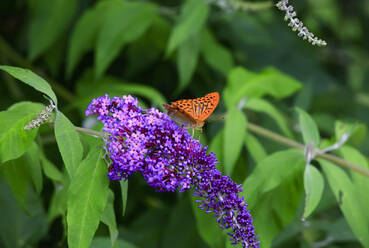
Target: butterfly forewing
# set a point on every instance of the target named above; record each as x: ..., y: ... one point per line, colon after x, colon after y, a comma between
x: 199, y: 108
x: 205, y: 106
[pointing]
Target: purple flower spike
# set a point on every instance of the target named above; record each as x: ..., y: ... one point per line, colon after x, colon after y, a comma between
x: 169, y: 158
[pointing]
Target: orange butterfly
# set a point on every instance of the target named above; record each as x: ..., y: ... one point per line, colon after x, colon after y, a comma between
x: 192, y: 113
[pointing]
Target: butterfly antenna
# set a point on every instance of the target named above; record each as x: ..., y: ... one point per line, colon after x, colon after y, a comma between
x: 216, y: 117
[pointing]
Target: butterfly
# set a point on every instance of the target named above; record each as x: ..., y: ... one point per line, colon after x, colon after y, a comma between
x: 192, y: 113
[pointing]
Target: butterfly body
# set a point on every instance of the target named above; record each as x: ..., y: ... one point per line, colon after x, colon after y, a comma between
x: 192, y: 113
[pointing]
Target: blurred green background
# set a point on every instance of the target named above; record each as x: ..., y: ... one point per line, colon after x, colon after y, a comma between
x: 161, y: 51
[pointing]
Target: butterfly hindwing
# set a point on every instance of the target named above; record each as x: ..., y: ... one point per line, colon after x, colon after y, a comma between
x: 186, y: 106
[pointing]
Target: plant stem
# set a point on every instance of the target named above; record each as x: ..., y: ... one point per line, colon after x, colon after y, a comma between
x: 291, y: 143
x: 7, y: 51
x: 274, y: 136
x: 90, y: 132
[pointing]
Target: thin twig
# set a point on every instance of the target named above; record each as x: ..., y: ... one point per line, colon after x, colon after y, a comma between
x: 274, y: 136
x: 280, y: 139
x: 291, y: 143
x: 90, y: 132
x: 168, y: 11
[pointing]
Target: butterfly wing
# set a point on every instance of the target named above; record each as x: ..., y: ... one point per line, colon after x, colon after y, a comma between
x: 199, y: 109
x: 186, y: 106
x: 206, y: 105
x: 179, y: 116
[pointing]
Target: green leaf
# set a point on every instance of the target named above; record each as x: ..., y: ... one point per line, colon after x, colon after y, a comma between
x: 260, y: 105
x: 255, y: 148
x: 32, y: 157
x: 234, y: 134
x: 89, y: 141
x: 69, y: 144
x: 58, y: 204
x: 188, y: 55
x: 147, y: 229
x: 28, y: 77
x: 314, y: 186
x: 124, y: 192
x: 340, y: 230
x: 348, y: 200
x: 356, y: 131
x: 54, y: 57
x: 309, y: 129
x: 207, y: 227
x: 50, y: 170
x: 87, y: 89
x: 342, y: 128
x: 104, y: 242
x: 14, y: 140
x: 193, y: 16
x: 17, y: 175
x: 215, y: 54
x: 48, y: 23
x: 216, y: 146
x: 180, y: 227
x: 108, y: 217
x: 271, y: 172
x: 270, y: 81
x: 123, y: 24
x: 270, y: 212
x: 85, y: 32
x: 17, y: 228
x: 304, y: 97
x: 361, y: 182
x: 148, y: 50
x: 276, y: 83
x: 87, y: 197
x: 83, y: 37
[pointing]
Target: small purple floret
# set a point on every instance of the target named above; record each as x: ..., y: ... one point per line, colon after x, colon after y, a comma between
x: 148, y: 141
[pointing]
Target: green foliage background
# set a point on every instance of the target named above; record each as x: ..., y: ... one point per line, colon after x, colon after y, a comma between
x: 53, y: 188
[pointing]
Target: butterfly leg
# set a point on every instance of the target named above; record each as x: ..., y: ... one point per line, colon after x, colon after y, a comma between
x: 200, y: 134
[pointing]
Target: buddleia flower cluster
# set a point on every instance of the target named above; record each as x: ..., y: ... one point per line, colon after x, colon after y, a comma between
x: 297, y: 25
x: 41, y: 118
x: 149, y: 142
